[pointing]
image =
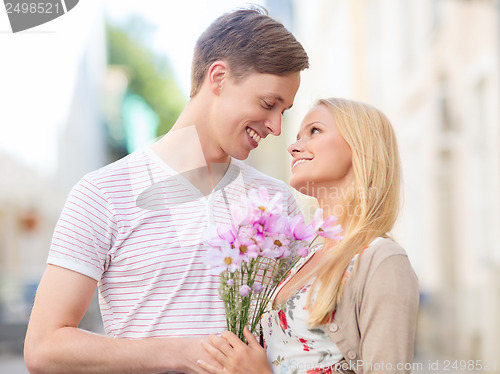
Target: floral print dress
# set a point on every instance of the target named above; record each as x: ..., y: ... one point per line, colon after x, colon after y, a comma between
x: 291, y: 346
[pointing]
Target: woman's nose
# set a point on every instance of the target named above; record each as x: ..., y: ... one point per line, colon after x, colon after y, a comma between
x: 295, y: 148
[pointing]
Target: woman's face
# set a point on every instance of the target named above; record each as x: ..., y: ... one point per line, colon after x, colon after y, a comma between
x: 322, y: 159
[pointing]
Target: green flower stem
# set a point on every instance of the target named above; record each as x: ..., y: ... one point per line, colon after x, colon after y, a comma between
x: 238, y: 308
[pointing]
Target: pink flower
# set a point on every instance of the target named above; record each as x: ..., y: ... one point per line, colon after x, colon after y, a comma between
x: 259, y: 201
x: 214, y: 236
x: 245, y: 290
x: 276, y: 247
x: 303, y: 251
x: 326, y: 228
x: 268, y: 224
x: 227, y: 233
x: 223, y: 258
x: 301, y: 231
x: 261, y: 238
x: 245, y: 245
x: 257, y: 287
x: 240, y: 216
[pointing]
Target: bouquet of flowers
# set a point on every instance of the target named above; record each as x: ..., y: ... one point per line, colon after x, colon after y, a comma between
x: 256, y: 251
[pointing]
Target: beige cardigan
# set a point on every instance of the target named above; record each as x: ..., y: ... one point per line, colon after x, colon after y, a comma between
x: 374, y: 325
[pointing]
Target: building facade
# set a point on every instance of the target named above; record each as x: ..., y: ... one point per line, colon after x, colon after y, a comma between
x: 433, y: 67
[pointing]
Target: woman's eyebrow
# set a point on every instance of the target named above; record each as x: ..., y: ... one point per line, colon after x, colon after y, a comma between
x: 308, y: 125
x: 302, y: 129
x: 313, y: 122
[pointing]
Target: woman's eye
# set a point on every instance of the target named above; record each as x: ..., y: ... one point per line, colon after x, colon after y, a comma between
x: 314, y: 130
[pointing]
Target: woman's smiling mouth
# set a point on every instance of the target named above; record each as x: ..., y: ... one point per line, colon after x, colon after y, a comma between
x: 300, y: 161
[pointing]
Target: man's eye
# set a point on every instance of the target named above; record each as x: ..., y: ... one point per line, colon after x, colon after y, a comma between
x: 266, y: 105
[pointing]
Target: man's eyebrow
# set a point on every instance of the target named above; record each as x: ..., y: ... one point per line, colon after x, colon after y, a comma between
x: 280, y: 99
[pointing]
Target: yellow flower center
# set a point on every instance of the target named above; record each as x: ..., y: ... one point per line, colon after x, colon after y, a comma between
x: 243, y: 248
x: 277, y: 243
x: 228, y: 260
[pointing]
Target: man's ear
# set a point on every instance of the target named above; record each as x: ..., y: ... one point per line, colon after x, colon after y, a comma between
x: 217, y: 74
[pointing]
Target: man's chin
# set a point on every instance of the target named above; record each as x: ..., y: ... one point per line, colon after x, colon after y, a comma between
x: 240, y: 155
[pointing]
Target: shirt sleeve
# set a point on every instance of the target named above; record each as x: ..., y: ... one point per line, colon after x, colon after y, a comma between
x: 388, y: 317
x: 85, y: 231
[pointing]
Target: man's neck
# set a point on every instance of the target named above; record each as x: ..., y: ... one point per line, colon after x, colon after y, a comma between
x: 182, y: 149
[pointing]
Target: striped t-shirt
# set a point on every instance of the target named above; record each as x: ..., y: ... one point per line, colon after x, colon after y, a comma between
x: 136, y: 226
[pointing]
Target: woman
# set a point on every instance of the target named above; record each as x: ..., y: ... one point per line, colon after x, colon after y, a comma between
x: 351, y: 305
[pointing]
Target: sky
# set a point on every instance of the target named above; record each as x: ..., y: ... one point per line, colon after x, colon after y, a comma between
x: 38, y: 66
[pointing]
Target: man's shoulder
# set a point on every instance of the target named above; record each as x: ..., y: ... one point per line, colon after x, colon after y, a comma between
x: 116, y: 172
x: 138, y: 157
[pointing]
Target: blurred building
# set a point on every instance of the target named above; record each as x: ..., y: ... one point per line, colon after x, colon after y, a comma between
x: 34, y: 187
x: 433, y: 67
x: 54, y: 131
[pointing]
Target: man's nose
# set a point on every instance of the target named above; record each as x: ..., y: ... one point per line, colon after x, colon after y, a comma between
x: 273, y: 124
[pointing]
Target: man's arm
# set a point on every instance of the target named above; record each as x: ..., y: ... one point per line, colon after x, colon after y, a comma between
x: 54, y: 344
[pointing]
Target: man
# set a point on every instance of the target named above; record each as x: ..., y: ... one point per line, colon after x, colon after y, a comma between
x: 135, y: 228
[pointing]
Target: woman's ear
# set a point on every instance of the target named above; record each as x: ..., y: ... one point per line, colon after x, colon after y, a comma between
x: 217, y: 73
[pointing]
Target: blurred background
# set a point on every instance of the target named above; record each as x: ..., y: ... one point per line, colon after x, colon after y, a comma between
x: 110, y: 76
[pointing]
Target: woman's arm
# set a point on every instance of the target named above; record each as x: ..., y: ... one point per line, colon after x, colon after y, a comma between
x: 388, y: 317
x: 235, y: 356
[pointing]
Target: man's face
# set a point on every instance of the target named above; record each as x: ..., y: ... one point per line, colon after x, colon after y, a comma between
x: 251, y: 109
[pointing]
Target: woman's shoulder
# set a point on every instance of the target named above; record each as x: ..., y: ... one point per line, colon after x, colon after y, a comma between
x: 381, y: 248
x: 383, y: 251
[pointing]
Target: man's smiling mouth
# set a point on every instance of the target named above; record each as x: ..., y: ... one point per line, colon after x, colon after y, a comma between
x: 256, y: 137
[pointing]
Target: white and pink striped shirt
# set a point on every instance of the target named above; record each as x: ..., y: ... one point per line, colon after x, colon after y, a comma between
x: 136, y: 226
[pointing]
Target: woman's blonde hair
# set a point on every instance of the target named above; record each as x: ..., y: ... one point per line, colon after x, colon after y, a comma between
x: 372, y: 200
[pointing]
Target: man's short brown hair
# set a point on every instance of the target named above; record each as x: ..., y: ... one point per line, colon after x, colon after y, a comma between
x: 250, y: 42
